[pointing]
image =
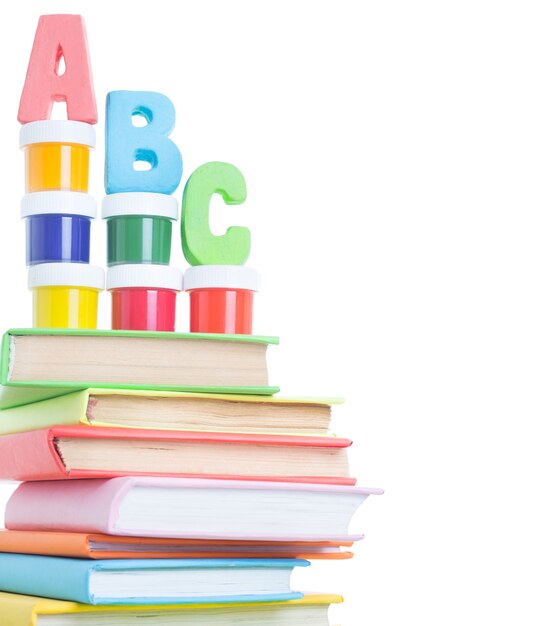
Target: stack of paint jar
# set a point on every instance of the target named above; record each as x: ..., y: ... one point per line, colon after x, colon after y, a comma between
x: 58, y: 213
x: 142, y: 284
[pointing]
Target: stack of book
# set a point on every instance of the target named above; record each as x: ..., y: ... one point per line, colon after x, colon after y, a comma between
x: 161, y: 479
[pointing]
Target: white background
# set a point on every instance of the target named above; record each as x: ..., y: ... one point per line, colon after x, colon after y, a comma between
x: 391, y: 151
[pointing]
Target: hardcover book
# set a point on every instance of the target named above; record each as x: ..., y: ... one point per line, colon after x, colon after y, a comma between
x: 170, y: 410
x: 44, y: 363
x: 150, y: 581
x: 188, y: 508
x: 96, y: 546
x: 22, y: 610
x: 80, y: 452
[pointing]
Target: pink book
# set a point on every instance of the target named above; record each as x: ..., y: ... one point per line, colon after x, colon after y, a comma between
x: 188, y: 508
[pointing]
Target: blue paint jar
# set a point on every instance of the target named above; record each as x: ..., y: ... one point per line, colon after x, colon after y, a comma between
x: 58, y: 226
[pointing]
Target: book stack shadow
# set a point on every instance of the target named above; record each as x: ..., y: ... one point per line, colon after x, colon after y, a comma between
x: 163, y: 482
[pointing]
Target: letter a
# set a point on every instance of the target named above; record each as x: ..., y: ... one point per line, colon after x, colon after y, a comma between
x: 59, y: 36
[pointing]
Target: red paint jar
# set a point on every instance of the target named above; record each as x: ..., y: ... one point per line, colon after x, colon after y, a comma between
x: 221, y: 298
x: 144, y: 296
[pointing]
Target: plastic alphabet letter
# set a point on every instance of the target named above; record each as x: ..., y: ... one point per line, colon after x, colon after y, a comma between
x: 57, y: 37
x: 200, y: 246
x: 127, y: 144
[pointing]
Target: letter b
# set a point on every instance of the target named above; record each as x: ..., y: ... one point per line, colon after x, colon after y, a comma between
x: 127, y: 144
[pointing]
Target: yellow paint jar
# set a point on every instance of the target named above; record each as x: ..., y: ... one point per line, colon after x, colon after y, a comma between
x: 57, y: 154
x: 65, y: 294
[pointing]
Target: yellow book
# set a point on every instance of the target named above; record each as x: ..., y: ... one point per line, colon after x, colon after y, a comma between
x: 19, y: 610
x: 164, y: 410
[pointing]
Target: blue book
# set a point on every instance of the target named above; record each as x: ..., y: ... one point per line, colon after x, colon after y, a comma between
x: 149, y: 581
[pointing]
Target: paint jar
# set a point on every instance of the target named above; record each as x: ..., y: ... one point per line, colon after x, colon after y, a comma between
x: 144, y: 296
x: 139, y: 227
x: 65, y: 294
x: 57, y: 155
x: 58, y: 226
x: 221, y: 298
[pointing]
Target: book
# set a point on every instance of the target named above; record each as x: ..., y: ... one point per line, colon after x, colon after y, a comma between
x: 22, y: 610
x: 188, y: 508
x: 169, y: 410
x: 96, y: 546
x: 80, y: 452
x: 150, y: 581
x: 47, y: 363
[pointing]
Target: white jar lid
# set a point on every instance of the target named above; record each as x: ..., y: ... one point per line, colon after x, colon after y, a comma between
x: 144, y: 275
x: 221, y: 277
x: 57, y: 131
x: 66, y: 275
x: 64, y: 202
x: 139, y: 203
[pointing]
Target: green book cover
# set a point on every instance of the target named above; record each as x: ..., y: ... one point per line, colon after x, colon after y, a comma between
x: 15, y: 393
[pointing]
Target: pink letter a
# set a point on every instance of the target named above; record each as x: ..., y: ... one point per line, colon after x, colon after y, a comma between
x: 59, y: 36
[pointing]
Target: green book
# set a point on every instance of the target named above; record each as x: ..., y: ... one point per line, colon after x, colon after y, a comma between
x: 37, y: 364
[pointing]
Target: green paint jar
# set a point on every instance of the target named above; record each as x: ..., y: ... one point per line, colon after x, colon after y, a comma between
x: 139, y: 227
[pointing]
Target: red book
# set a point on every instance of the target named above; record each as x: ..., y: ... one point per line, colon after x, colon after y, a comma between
x: 64, y: 452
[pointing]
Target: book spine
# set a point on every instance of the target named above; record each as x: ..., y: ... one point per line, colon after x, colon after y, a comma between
x: 5, y: 359
x: 30, y: 456
x: 50, y: 577
x: 73, y: 545
x: 69, y: 409
x: 85, y: 506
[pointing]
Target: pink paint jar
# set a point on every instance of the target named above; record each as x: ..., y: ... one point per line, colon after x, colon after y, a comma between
x: 144, y: 296
x: 221, y: 298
